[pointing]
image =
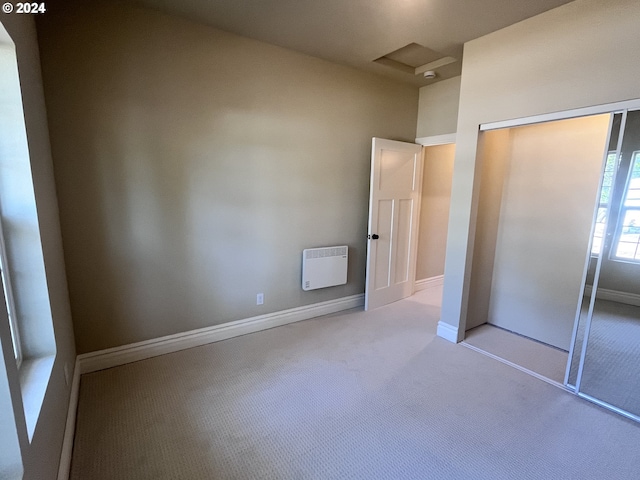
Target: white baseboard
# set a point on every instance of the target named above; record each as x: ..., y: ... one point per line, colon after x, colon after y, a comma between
x: 113, y: 357
x: 64, y: 469
x: 620, y: 297
x: 436, y: 281
x: 615, y: 296
x: 448, y: 332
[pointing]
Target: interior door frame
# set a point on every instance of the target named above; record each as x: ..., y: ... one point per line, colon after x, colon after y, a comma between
x: 428, y: 141
x: 431, y: 141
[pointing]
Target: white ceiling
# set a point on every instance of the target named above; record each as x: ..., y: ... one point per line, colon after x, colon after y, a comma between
x: 356, y: 32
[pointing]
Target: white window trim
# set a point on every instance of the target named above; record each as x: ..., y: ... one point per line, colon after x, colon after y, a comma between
x: 604, y: 205
x: 621, y: 214
x: 8, y: 294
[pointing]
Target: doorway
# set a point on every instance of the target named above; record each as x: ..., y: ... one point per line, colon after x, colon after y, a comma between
x: 415, y: 249
x: 434, y: 220
x: 434, y: 215
x: 538, y: 191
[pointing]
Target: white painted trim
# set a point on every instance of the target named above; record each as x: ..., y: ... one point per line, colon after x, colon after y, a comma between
x: 436, y: 140
x: 64, y: 469
x: 113, y: 357
x: 615, y: 296
x: 425, y: 283
x: 550, y: 117
x: 620, y: 297
x: 448, y: 332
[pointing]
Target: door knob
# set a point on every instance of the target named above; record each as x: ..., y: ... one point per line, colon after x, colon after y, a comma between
x: 373, y: 237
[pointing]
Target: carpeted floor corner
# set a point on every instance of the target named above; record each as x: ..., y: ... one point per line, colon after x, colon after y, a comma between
x: 357, y: 395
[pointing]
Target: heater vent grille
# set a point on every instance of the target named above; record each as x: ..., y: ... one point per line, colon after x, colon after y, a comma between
x: 324, y: 267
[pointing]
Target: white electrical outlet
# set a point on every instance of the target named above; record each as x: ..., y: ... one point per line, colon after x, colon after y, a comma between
x: 66, y: 373
x: 260, y: 299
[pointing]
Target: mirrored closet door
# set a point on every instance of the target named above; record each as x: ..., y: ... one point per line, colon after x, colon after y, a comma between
x: 604, y: 364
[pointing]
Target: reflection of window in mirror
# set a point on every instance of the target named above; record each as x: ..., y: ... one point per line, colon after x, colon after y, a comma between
x: 603, y: 204
x: 627, y: 237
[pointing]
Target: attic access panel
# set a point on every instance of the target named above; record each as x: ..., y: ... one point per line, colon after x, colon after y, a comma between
x: 415, y: 59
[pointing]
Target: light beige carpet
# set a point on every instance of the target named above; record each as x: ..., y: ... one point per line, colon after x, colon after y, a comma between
x: 354, y: 396
x: 611, y: 372
x: 543, y: 359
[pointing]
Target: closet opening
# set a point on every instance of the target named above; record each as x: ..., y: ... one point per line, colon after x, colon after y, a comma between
x: 555, y: 284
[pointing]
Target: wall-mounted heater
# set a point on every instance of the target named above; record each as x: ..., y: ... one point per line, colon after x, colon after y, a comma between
x: 324, y: 267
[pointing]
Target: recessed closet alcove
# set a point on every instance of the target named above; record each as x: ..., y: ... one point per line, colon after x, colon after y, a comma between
x: 557, y: 253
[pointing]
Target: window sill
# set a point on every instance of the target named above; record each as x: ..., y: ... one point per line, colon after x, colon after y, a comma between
x: 34, y: 379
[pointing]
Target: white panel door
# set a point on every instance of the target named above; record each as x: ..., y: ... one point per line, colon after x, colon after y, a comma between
x: 394, y: 203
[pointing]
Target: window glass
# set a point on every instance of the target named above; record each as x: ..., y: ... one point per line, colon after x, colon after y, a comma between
x: 605, y: 194
x: 628, y: 232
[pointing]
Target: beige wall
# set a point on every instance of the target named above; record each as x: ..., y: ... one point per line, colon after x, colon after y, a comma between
x: 578, y: 55
x: 193, y: 167
x: 40, y: 456
x: 545, y: 214
x: 434, y: 210
x: 438, y: 108
x: 494, y: 149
